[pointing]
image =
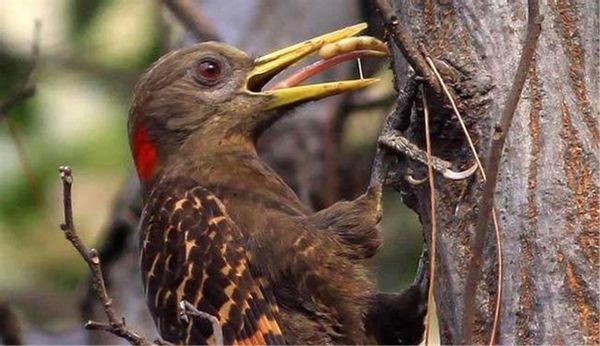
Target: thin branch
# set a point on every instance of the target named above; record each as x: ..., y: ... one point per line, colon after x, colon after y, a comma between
x: 432, y: 260
x: 492, y: 167
x: 188, y: 309
x: 500, y: 281
x: 16, y: 137
x: 14, y: 98
x: 114, y: 75
x: 116, y: 325
x: 406, y: 44
x: 27, y: 89
x: 119, y: 229
x: 192, y: 18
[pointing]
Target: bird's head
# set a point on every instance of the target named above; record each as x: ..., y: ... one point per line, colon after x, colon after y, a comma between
x: 213, y: 93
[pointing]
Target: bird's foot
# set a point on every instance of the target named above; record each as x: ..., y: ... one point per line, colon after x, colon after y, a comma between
x: 395, y: 141
x: 391, y: 139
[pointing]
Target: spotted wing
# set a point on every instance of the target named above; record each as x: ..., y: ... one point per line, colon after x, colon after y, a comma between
x: 192, y: 251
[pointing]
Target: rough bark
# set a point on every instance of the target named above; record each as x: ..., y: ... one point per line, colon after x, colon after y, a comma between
x: 547, y: 194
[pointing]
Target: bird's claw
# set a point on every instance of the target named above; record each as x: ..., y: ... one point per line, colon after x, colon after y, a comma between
x: 412, y: 180
x: 446, y: 173
x: 396, y: 142
x: 183, y: 313
x: 460, y: 175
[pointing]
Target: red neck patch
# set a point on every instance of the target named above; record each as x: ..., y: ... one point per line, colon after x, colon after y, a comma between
x: 144, y: 154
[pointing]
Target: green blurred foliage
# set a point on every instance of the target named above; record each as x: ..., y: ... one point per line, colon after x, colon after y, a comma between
x: 14, y: 72
x: 77, y: 117
x: 82, y: 13
x: 397, y: 260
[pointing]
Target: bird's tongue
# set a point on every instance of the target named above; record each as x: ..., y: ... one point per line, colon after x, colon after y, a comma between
x: 318, y: 67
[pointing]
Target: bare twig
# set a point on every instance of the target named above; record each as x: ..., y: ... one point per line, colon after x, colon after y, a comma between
x: 188, y: 309
x: 432, y: 259
x: 15, y: 97
x: 16, y: 137
x: 500, y: 282
x: 492, y: 167
x: 192, y: 18
x: 406, y: 44
x: 116, y: 325
x: 120, y: 228
x: 27, y: 89
x: 117, y: 76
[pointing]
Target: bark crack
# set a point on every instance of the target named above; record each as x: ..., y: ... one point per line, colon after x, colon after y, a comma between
x: 580, y: 182
x: 567, y: 20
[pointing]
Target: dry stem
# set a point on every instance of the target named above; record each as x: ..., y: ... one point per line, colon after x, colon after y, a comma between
x: 116, y: 325
x: 23, y: 92
x: 493, y: 165
x: 500, y: 282
x: 406, y: 44
x: 432, y: 259
x: 27, y: 89
x: 194, y: 21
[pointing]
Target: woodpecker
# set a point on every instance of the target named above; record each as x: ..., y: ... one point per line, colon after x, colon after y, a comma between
x: 220, y: 230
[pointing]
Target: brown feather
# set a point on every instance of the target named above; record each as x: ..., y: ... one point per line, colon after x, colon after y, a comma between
x: 191, y: 250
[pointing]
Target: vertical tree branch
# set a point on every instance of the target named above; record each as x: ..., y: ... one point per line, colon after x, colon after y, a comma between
x: 432, y: 205
x: 23, y: 92
x: 189, y: 14
x: 27, y: 89
x: 406, y: 44
x: 493, y: 164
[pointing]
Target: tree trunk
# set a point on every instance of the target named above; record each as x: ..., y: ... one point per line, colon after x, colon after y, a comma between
x: 547, y: 193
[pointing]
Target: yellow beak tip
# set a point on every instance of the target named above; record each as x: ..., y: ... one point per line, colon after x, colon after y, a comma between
x: 271, y: 64
x: 312, y: 92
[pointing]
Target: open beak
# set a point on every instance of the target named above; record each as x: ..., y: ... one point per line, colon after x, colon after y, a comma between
x: 333, y: 48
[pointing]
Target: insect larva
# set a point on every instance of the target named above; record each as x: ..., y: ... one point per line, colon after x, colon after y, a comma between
x: 350, y: 44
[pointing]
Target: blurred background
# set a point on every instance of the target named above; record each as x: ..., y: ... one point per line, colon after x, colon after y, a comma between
x: 91, y: 53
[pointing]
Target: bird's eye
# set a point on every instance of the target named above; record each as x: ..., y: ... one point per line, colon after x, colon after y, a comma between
x: 208, y: 71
